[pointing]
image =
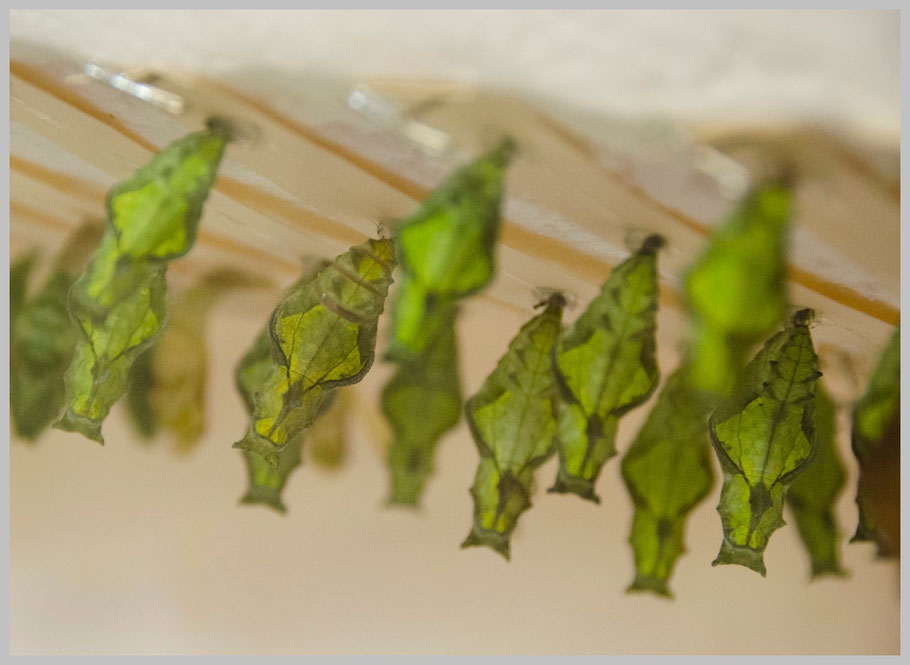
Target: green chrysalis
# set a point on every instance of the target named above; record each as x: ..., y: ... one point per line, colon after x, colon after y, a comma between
x: 446, y: 253
x: 446, y: 250
x: 167, y: 385
x: 421, y: 402
x: 764, y: 437
x: 735, y: 289
x: 605, y: 365
x: 812, y: 495
x: 513, y: 421
x: 41, y: 336
x: 667, y: 471
x: 118, y: 304
x: 323, y: 336
x: 876, y: 445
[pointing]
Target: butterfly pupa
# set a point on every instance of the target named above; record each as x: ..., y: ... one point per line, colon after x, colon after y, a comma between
x: 667, y: 470
x: 813, y: 495
x: 41, y: 335
x: 735, y: 290
x: 513, y: 421
x: 118, y: 304
x: 446, y: 249
x: 322, y: 336
x: 764, y: 437
x: 605, y: 365
x: 168, y: 383
x: 876, y: 443
x: 429, y: 388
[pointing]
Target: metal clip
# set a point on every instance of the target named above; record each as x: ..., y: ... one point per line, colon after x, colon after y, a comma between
x: 383, y: 112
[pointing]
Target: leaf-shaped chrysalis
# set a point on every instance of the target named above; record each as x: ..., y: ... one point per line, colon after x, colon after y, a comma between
x: 735, y: 289
x: 265, y: 483
x: 421, y: 402
x: 764, y: 437
x: 605, y: 365
x: 167, y: 386
x: 446, y: 249
x: 876, y: 445
x: 513, y: 421
x: 41, y: 339
x: 118, y: 304
x: 812, y: 495
x: 323, y: 336
x: 667, y: 470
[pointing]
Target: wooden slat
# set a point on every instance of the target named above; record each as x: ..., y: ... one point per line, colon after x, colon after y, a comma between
x: 333, y: 196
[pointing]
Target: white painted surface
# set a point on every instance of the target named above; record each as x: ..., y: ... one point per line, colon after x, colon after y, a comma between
x: 837, y: 66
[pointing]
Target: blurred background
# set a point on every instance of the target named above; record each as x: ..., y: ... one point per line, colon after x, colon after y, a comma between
x: 629, y: 122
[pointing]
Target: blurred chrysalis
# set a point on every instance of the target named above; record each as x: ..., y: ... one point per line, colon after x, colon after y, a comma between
x: 446, y: 251
x: 167, y: 386
x: 41, y: 335
x: 421, y: 402
x: 667, y: 471
x: 876, y: 444
x: 735, y: 289
x: 811, y: 498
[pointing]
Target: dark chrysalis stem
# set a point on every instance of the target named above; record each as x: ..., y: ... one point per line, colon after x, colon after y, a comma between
x: 653, y: 243
x: 803, y: 317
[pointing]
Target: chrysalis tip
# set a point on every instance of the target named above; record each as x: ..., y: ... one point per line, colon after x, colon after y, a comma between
x: 567, y: 484
x: 402, y: 500
x: 653, y: 243
x: 742, y: 556
x: 785, y: 175
x: 264, y: 497
x: 803, y: 317
x: 544, y: 295
x: 385, y: 228
x: 406, y: 486
x: 641, y: 240
x: 233, y: 129
x: 827, y: 568
x: 653, y: 584
x: 69, y: 422
x: 498, y: 542
x: 504, y: 151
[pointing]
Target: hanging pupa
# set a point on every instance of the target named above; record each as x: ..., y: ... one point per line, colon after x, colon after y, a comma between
x: 764, y: 437
x: 118, y: 304
x: 667, y: 471
x: 513, y: 421
x: 322, y: 336
x: 605, y: 365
